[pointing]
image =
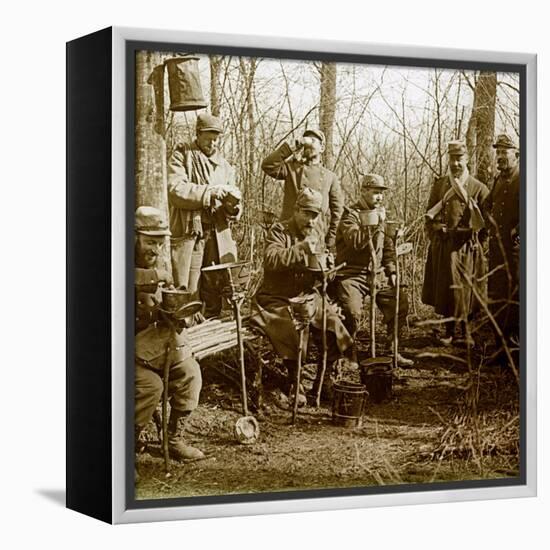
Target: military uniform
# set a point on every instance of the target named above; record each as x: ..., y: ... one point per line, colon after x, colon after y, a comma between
x: 459, y: 246
x: 503, y: 206
x: 286, y: 277
x: 153, y: 339
x: 281, y: 165
x: 352, y: 283
x: 191, y: 177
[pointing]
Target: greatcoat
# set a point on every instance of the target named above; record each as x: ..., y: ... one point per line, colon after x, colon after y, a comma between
x: 502, y: 208
x: 454, y: 252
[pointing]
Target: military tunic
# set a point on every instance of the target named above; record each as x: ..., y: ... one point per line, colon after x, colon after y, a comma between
x: 281, y: 166
x: 503, y: 206
x: 443, y: 286
x: 285, y: 277
x: 193, y: 242
x: 352, y: 283
x: 152, y: 337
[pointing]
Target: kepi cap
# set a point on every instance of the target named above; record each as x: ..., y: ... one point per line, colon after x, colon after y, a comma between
x: 149, y: 221
x: 319, y: 134
x: 310, y: 199
x: 456, y: 148
x: 504, y: 141
x: 373, y: 181
x: 209, y: 123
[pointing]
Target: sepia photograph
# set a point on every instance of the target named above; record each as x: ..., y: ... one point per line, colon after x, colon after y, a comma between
x: 326, y: 274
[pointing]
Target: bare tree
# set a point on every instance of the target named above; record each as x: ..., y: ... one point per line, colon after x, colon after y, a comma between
x: 150, y: 162
x: 481, y: 127
x: 327, y: 109
x: 215, y: 85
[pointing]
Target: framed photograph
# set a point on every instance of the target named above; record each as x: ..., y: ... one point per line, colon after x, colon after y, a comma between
x: 301, y: 275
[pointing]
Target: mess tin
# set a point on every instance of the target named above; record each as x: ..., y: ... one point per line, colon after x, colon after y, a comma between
x: 317, y: 261
x: 369, y: 217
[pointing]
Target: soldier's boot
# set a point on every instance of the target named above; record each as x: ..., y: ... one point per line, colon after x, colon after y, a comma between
x: 177, y: 447
x: 139, y: 447
x: 402, y: 361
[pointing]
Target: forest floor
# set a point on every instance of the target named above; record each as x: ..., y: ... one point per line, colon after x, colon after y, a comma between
x: 423, y: 434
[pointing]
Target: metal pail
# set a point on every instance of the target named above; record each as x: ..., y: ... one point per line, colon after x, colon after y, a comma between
x: 376, y: 375
x: 348, y: 403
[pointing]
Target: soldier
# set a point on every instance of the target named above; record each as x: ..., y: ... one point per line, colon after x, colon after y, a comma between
x: 453, y: 225
x: 301, y: 167
x: 352, y: 283
x: 288, y: 244
x: 502, y: 208
x: 152, y: 337
x: 201, y: 190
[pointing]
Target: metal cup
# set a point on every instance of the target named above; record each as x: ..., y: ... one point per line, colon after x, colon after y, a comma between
x: 369, y: 218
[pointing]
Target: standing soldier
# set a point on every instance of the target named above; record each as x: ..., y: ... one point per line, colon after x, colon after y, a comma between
x: 352, y: 284
x: 201, y: 187
x: 152, y: 337
x: 307, y: 171
x: 502, y: 208
x: 286, y: 276
x: 453, y: 223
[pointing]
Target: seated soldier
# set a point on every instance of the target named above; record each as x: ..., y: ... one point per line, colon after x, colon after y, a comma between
x: 288, y: 244
x: 152, y: 336
x: 352, y: 283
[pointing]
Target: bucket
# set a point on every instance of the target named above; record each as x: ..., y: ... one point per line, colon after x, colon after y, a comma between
x: 376, y: 375
x: 348, y: 403
x: 184, y: 84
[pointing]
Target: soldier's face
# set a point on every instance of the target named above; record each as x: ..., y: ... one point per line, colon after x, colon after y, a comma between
x: 208, y: 142
x: 507, y: 158
x: 147, y: 250
x: 313, y: 146
x: 305, y: 220
x: 373, y: 197
x: 458, y: 164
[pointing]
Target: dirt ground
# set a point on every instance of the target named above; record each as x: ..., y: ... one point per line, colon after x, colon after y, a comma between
x: 422, y: 434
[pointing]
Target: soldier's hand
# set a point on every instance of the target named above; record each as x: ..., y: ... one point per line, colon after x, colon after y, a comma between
x: 438, y: 226
x: 217, y: 192
x: 310, y: 244
x: 146, y: 300
x: 298, y: 144
x: 164, y: 276
x: 393, y: 280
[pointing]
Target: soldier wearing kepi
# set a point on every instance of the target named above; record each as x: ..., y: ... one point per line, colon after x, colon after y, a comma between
x: 453, y: 224
x: 502, y: 210
x: 300, y: 166
x: 201, y: 188
x: 352, y: 283
x: 152, y: 337
x: 288, y: 244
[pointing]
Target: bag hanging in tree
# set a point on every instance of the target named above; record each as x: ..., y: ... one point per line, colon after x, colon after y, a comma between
x: 184, y: 84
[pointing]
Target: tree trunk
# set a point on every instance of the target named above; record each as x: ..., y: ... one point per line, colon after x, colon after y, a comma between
x: 215, y: 87
x: 481, y: 128
x: 327, y: 109
x: 150, y: 162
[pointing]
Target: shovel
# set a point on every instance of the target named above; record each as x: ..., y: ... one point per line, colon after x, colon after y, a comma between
x: 247, y: 429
